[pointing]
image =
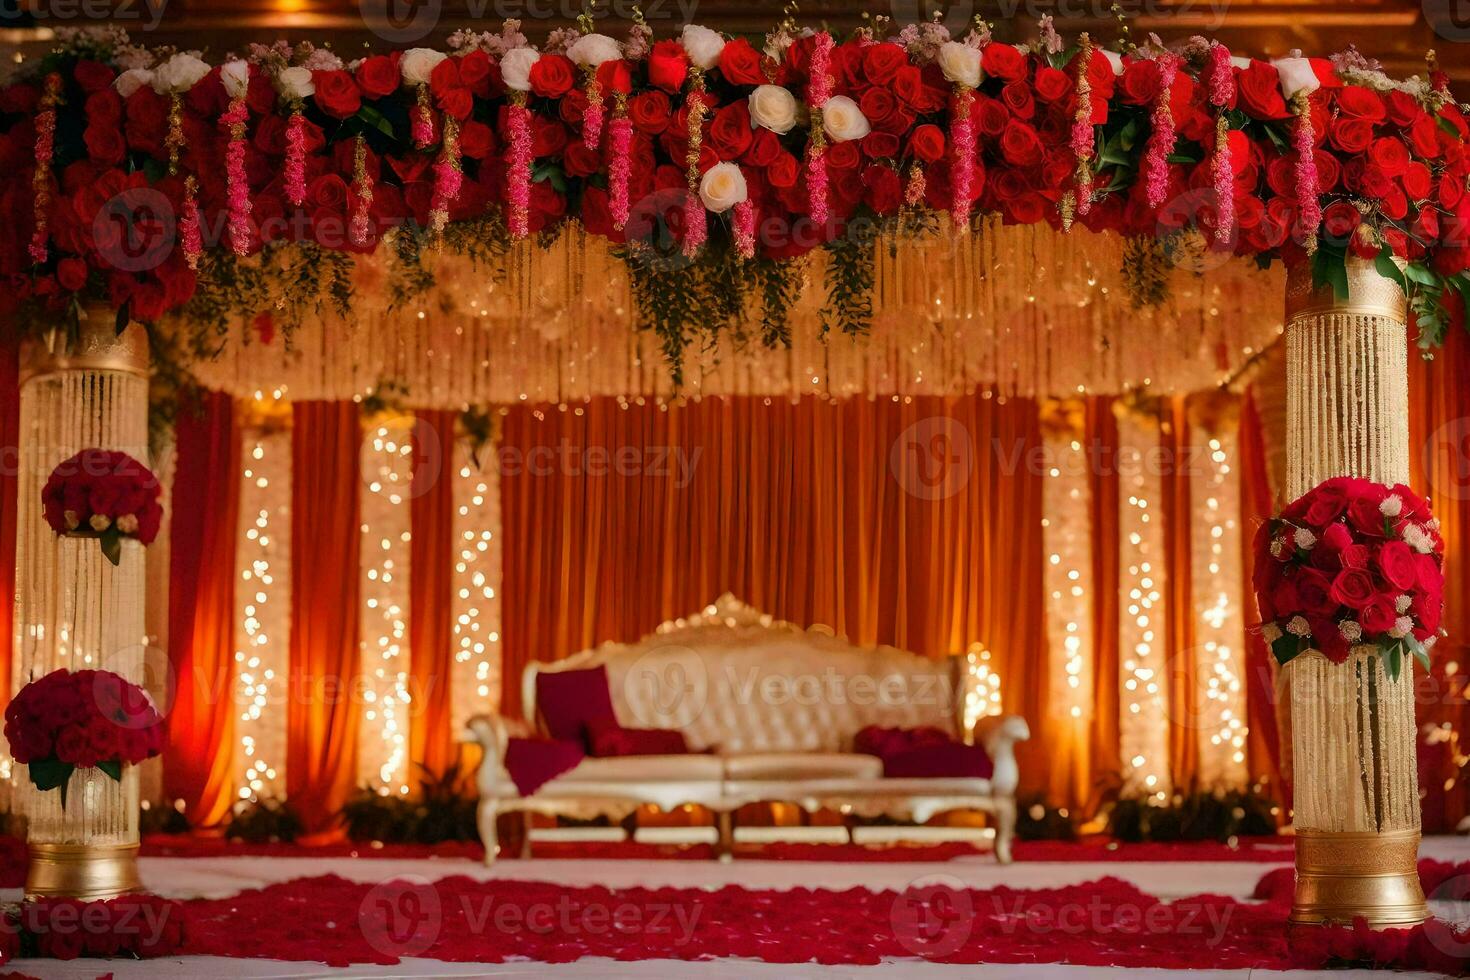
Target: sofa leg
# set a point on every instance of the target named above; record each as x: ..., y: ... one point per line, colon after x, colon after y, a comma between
x: 526, y: 822
x: 1005, y: 828
x: 725, y: 849
x: 485, y: 815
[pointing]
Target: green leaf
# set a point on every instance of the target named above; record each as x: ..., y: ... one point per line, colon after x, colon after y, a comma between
x: 1394, y: 661
x: 52, y: 773
x: 111, y: 541
x: 1448, y: 127
x: 374, y: 118
x: 1420, y: 273
x: 113, y: 768
x: 123, y: 318
x: 1329, y: 267
x: 1417, y: 649
x: 1286, y: 648
x: 1389, y: 269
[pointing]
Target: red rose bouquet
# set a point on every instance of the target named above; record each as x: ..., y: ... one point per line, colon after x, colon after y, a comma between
x: 81, y: 720
x: 1352, y: 564
x: 142, y: 926
x: 103, y: 494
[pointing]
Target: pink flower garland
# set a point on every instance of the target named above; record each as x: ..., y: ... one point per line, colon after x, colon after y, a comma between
x: 592, y: 115
x: 362, y: 186
x: 237, y: 185
x: 818, y: 91
x: 190, y: 238
x: 695, y: 228
x: 1083, y: 138
x: 962, y: 166
x: 745, y: 229
x: 1161, y: 136
x: 41, y: 179
x: 296, y: 157
x: 1222, y: 168
x: 421, y: 127
x: 1308, y: 187
x: 448, y: 177
x: 518, y: 166
x: 621, y: 138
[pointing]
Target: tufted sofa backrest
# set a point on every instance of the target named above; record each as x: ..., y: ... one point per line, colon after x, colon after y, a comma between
x: 734, y: 680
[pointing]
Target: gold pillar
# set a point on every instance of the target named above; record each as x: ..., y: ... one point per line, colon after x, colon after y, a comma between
x: 74, y: 609
x: 1355, y: 786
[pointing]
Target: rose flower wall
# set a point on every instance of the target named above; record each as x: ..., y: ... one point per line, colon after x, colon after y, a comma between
x: 482, y: 349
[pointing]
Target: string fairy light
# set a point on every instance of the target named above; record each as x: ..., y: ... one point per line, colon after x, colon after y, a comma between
x: 1215, y: 550
x: 1067, y: 539
x: 1143, y: 717
x: 475, y: 677
x: 982, y: 690
x: 383, y: 651
x: 263, y: 609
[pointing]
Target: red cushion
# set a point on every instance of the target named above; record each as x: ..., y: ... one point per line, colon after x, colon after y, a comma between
x: 570, y: 700
x: 608, y: 738
x: 923, y: 753
x: 532, y: 762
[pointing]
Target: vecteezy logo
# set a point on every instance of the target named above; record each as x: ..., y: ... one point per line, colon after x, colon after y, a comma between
x: 654, y: 229
x: 933, y: 916
x: 932, y: 458
x: 667, y: 687
x: 1450, y: 19
x: 401, y: 917
x: 1446, y: 457
x: 134, y: 231
x: 400, y: 21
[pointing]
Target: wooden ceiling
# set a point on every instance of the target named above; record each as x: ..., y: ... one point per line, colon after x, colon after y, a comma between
x: 1397, y: 32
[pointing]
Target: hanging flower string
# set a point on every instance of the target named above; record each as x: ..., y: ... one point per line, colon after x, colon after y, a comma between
x: 448, y: 176
x: 422, y: 124
x: 1307, y: 185
x: 41, y: 179
x: 173, y: 141
x: 1161, y: 135
x: 695, y: 229
x: 518, y: 165
x: 1221, y: 78
x: 237, y: 185
x: 744, y: 228
x: 818, y: 91
x: 913, y: 190
x: 962, y: 168
x: 592, y: 115
x: 190, y: 238
x: 620, y: 136
x: 1083, y: 136
x: 362, y: 188
x: 296, y: 155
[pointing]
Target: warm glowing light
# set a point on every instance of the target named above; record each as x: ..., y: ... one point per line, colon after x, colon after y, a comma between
x: 1067, y: 538
x: 475, y: 588
x: 982, y: 691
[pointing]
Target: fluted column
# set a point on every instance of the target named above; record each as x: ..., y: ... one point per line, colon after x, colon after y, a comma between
x: 1355, y: 787
x: 74, y: 609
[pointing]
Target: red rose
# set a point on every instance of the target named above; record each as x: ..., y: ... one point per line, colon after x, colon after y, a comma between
x: 1351, y: 135
x: 1340, y: 220
x: 1314, y: 594
x: 92, y: 76
x: 1324, y: 505
x: 741, y: 64
x: 880, y: 145
x: 1018, y: 99
x: 877, y: 104
x: 1428, y: 576
x: 476, y: 140
x: 1003, y: 61
x: 1365, y: 517
x: 783, y: 171
x: 649, y: 112
x: 1364, y: 103
x: 1401, y: 108
x: 1377, y: 615
x: 378, y: 76
x: 927, y: 143
x: 1390, y: 155
x: 1020, y: 145
x: 1260, y: 92
x: 1140, y: 82
x: 668, y: 65
x: 730, y: 132
x: 105, y: 144
x: 884, y: 189
x: 764, y: 147
x: 104, y: 107
x: 615, y: 76
x: 881, y: 62
x: 336, y: 93
x: 552, y: 76
x: 71, y: 273
x: 479, y: 74
x: 1396, y: 562
x: 1336, y: 537
x: 1418, y: 181
x: 1052, y: 85
x: 1353, y: 587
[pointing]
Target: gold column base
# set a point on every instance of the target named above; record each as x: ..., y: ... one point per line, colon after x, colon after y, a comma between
x: 90, y: 872
x: 1344, y: 876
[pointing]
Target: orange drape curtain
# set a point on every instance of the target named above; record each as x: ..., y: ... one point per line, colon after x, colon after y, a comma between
x: 1102, y: 450
x: 323, y: 710
x: 1263, y: 752
x: 431, y: 566
x: 9, y: 477
x: 204, y: 524
x: 618, y: 517
x: 1178, y: 467
x: 1439, y: 437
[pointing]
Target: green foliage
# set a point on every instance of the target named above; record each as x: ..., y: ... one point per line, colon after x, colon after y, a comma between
x: 265, y: 821
x: 439, y: 812
x: 1199, y: 816
x: 1035, y: 820
x: 851, y: 271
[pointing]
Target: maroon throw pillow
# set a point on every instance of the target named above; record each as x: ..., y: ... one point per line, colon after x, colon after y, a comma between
x: 533, y: 762
x: 948, y: 760
x: 570, y: 700
x: 607, y: 738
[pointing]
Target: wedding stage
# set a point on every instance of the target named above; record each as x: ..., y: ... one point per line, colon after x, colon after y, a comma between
x: 853, y: 494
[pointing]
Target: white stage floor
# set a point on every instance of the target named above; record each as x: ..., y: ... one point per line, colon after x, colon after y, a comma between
x: 225, y: 876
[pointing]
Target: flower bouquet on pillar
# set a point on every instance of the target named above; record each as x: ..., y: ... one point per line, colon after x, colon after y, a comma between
x: 106, y: 495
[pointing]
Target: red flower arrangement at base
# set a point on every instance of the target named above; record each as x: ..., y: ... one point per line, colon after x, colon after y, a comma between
x: 1352, y: 564
x: 143, y: 926
x: 81, y: 720
x: 104, y: 494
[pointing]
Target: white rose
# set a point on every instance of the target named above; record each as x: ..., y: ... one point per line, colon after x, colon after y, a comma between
x: 772, y: 107
x: 1296, y: 76
x: 235, y: 76
x: 722, y: 187
x: 960, y: 63
x: 295, y: 83
x: 702, y: 45
x: 133, y: 79
x: 591, y: 50
x: 1115, y: 59
x: 843, y: 120
x: 178, y: 74
x: 515, y: 68
x: 417, y: 64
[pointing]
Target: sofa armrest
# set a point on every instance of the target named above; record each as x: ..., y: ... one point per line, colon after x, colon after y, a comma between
x: 999, y: 734
x: 493, y: 734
